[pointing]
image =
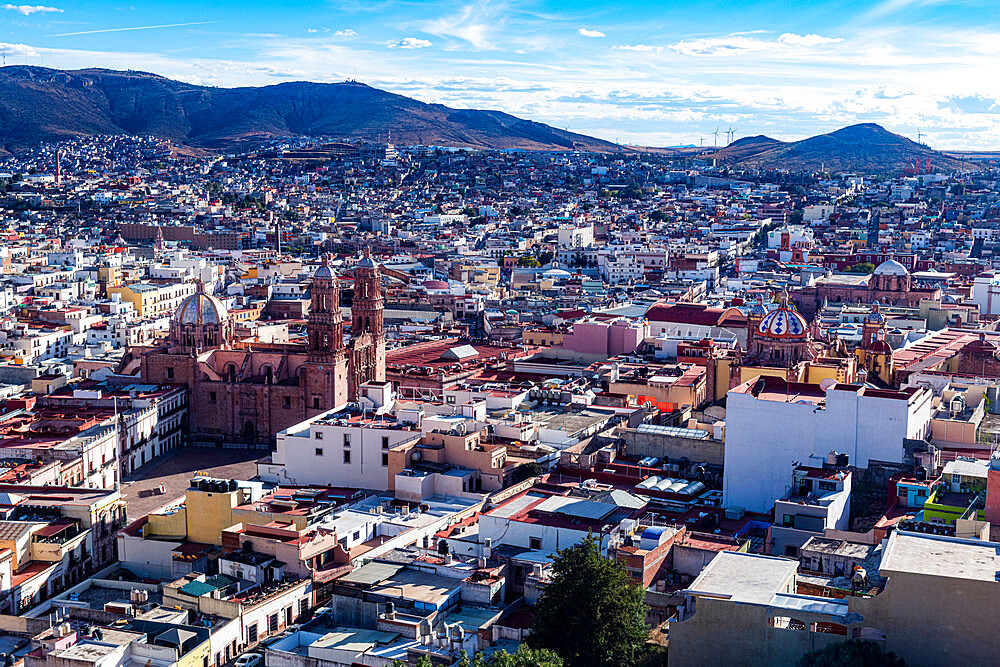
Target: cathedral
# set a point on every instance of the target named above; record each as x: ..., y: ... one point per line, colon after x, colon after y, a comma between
x: 780, y: 343
x: 246, y: 391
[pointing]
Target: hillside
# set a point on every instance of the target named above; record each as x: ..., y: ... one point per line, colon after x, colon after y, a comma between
x: 747, y: 147
x: 867, y: 148
x: 39, y: 104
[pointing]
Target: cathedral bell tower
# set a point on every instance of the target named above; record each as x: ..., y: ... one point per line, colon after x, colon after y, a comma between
x: 326, y: 325
x: 367, y: 327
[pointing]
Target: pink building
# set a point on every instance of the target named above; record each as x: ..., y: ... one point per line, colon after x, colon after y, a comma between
x: 606, y: 338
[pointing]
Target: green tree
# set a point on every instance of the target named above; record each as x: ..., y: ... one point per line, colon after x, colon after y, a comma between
x: 525, y: 656
x: 528, y: 261
x: 591, y: 613
x: 861, y: 267
x: 851, y: 653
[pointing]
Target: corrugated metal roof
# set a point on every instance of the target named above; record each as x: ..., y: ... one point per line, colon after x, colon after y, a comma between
x: 371, y: 574
x: 675, y: 431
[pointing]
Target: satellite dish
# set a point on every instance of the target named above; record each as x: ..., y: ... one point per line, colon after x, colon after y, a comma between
x: 826, y: 383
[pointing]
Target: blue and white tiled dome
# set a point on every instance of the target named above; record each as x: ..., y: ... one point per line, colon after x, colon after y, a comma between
x: 783, y: 322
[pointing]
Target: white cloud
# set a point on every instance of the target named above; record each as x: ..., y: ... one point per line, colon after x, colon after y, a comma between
x: 409, y: 43
x: 645, y: 48
x: 472, y: 24
x: 28, y: 10
x: 590, y: 33
x: 345, y: 33
x: 740, y: 43
x: 792, y: 39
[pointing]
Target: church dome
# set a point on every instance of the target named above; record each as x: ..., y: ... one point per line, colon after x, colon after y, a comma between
x: 783, y: 323
x: 201, y: 308
x: 879, y: 346
x: 891, y: 267
x: 324, y: 271
x: 875, y: 316
x: 757, y: 309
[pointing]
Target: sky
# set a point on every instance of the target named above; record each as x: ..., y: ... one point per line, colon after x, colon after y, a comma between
x: 655, y: 73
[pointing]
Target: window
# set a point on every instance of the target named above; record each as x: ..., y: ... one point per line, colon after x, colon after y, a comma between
x: 272, y: 623
x: 347, y: 456
x: 252, y: 634
x: 347, y: 440
x: 303, y: 606
x: 318, y: 435
x: 170, y: 372
x: 316, y: 402
x: 319, y: 451
x: 211, y: 397
x: 385, y: 442
x: 287, y: 402
x: 827, y: 486
x: 356, y: 536
x: 385, y: 460
x: 534, y: 543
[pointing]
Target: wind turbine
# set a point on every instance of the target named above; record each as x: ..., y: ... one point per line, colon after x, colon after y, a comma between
x: 716, y: 135
x: 732, y: 134
x: 919, y: 137
x: 729, y: 135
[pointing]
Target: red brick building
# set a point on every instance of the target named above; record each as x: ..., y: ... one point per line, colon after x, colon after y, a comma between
x: 245, y: 392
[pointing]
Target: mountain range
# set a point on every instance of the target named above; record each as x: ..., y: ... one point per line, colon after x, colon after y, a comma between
x: 866, y: 147
x: 42, y: 105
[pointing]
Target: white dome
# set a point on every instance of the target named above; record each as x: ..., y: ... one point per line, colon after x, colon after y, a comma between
x: 891, y: 267
x: 201, y: 308
x: 783, y: 323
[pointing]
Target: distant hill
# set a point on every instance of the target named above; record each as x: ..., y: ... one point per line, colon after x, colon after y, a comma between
x: 39, y: 105
x: 747, y: 147
x: 866, y: 148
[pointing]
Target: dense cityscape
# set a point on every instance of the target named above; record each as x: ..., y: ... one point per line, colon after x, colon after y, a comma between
x: 323, y: 403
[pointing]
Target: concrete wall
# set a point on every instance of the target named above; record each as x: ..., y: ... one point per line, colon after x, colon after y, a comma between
x: 659, y: 445
x: 721, y: 632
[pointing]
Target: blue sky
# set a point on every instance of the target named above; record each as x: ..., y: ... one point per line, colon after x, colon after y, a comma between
x: 653, y: 73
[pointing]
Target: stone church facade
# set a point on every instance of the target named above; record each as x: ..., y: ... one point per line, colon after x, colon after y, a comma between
x: 245, y: 392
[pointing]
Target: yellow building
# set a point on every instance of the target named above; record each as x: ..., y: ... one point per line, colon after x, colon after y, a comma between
x: 151, y: 299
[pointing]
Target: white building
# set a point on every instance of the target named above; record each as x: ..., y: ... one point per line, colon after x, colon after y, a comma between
x: 773, y: 426
x: 341, y: 447
x: 986, y: 293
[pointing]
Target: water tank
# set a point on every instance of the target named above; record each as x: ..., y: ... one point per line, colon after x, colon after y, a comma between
x: 843, y: 460
x: 693, y: 488
x: 233, y: 485
x: 652, y: 537
x: 921, y: 474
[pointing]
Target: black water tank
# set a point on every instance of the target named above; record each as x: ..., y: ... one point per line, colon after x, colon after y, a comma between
x: 921, y: 474
x: 843, y: 460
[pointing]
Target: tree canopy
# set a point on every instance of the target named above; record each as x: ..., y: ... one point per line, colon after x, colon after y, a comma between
x: 591, y: 613
x: 861, y: 267
x: 525, y: 656
x: 852, y: 653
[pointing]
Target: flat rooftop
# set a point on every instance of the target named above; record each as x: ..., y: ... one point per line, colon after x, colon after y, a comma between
x: 744, y: 577
x: 941, y: 556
